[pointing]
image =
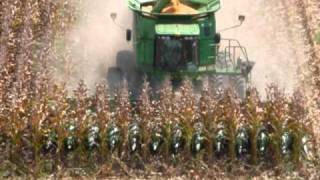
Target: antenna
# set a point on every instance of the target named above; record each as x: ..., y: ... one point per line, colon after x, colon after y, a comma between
x: 241, y: 18
x: 113, y: 16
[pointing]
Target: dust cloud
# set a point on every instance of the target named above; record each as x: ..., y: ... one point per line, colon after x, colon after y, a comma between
x: 269, y: 37
x: 276, y: 50
x: 96, y: 40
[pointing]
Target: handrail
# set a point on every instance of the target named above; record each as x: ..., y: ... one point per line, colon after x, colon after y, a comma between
x: 232, y: 51
x: 243, y: 49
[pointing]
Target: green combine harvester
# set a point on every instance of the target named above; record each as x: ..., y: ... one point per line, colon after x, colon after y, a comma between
x: 179, y: 38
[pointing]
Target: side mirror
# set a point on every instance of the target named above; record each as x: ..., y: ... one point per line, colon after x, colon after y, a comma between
x: 113, y: 16
x: 217, y: 38
x: 241, y: 18
x: 128, y: 34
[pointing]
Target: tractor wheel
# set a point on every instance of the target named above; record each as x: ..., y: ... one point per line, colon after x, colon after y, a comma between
x: 222, y: 82
x: 217, y: 83
x: 239, y: 85
x: 115, y: 78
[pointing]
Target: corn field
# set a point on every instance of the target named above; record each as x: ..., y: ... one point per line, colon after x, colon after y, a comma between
x: 48, y: 131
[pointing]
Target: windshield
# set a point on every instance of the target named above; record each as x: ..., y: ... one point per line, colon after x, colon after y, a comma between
x: 175, y: 53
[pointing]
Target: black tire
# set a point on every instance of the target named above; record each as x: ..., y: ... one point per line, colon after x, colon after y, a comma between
x: 239, y: 85
x: 114, y: 78
x: 217, y: 83
x: 222, y: 82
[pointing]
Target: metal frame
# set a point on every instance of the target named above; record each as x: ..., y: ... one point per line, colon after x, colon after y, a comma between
x: 230, y: 51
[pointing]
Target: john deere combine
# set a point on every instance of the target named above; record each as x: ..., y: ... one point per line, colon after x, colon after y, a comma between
x: 179, y: 38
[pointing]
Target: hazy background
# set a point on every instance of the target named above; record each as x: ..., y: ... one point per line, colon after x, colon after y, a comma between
x: 267, y: 34
x: 270, y: 39
x: 96, y: 40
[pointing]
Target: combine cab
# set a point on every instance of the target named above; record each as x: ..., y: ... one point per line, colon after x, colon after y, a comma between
x: 179, y: 38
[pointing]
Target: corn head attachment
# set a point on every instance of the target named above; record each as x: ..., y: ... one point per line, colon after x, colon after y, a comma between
x: 221, y: 141
x: 134, y: 137
x: 263, y: 142
x: 157, y: 140
x: 113, y: 137
x: 178, y: 140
